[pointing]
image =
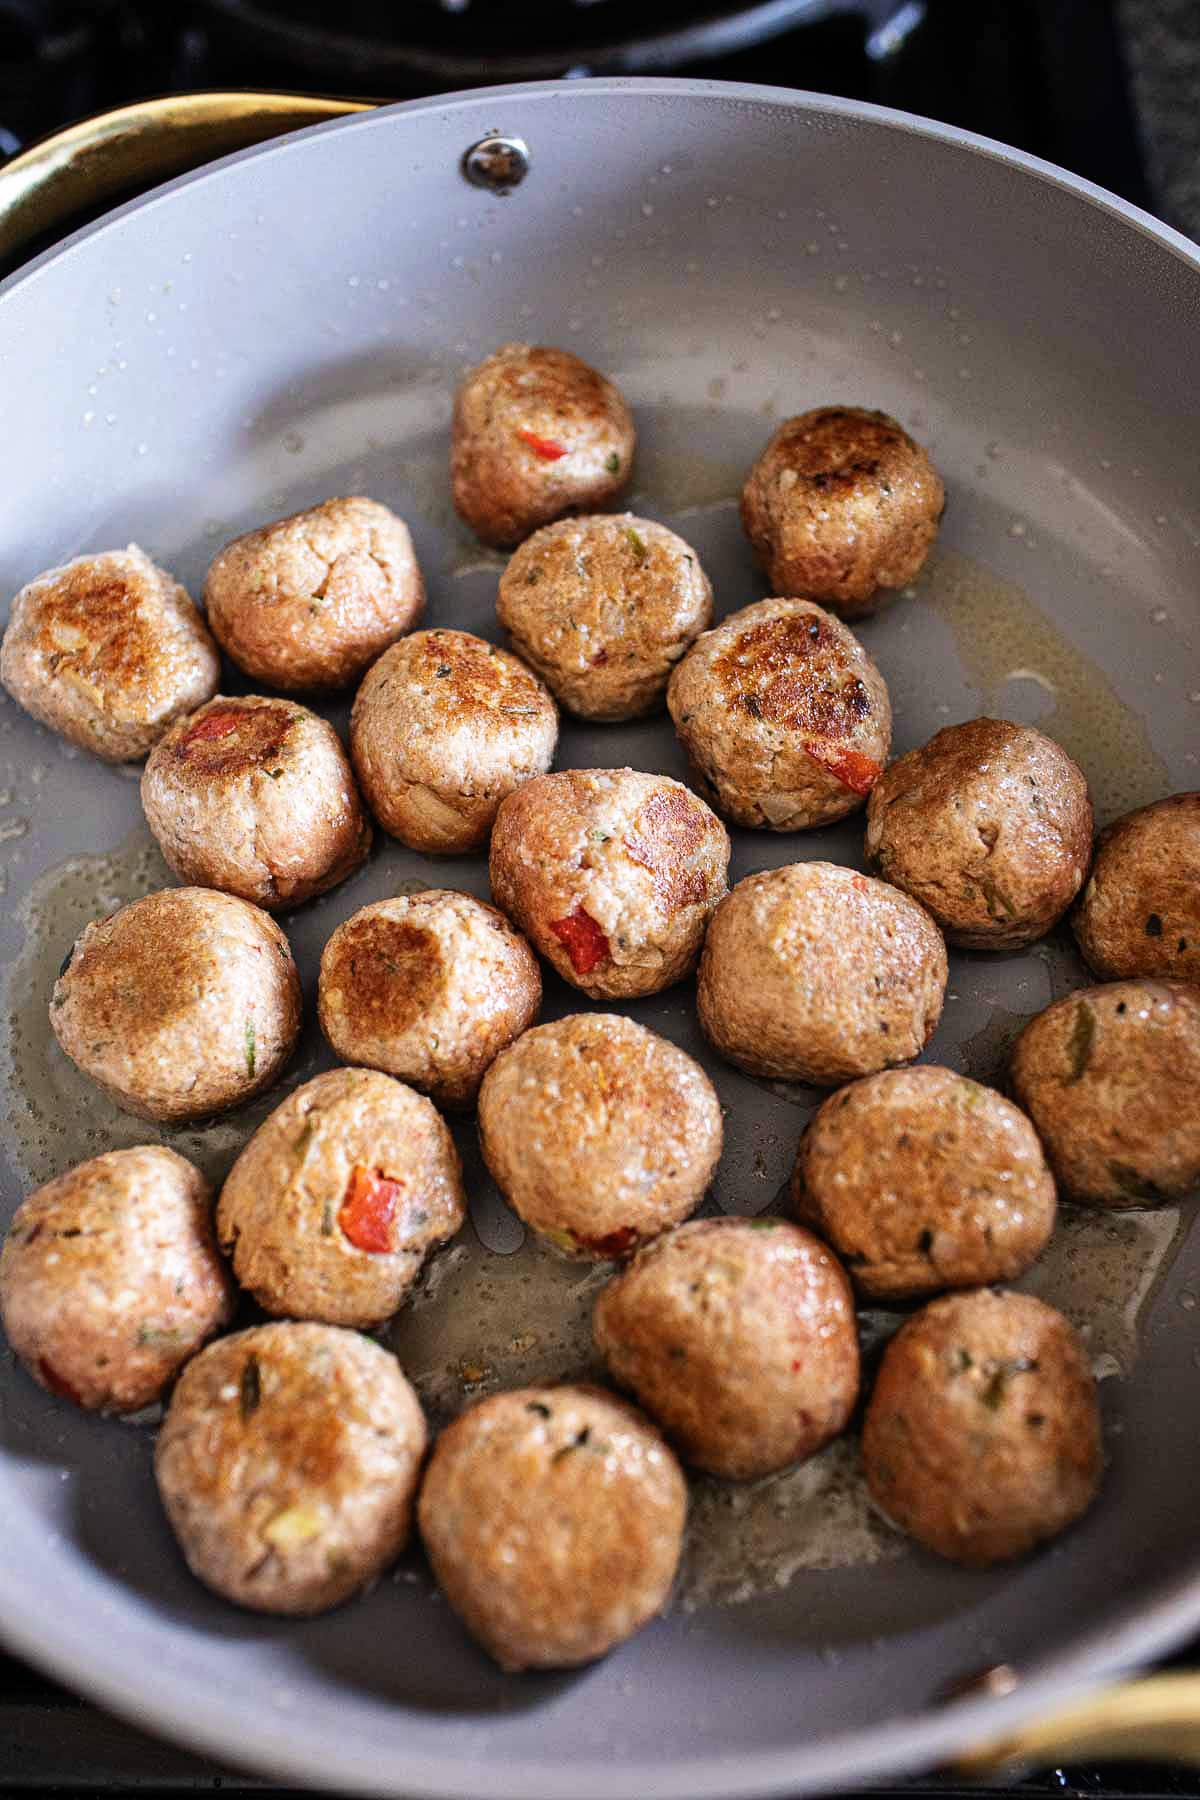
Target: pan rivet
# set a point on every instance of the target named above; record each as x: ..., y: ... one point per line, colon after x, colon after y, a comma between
x: 981, y: 1684
x: 496, y: 162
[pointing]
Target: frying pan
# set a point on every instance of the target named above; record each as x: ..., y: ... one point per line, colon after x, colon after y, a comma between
x: 289, y: 323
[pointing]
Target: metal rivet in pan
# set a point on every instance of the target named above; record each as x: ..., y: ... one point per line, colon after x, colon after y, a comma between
x: 497, y: 162
x: 982, y: 1684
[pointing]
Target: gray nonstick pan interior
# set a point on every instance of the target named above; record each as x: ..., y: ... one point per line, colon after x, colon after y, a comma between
x: 291, y: 324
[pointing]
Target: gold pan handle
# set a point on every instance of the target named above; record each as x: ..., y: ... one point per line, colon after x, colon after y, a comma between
x: 1153, y: 1719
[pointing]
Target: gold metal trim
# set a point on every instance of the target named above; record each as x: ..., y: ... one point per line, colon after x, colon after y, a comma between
x: 1154, y: 1719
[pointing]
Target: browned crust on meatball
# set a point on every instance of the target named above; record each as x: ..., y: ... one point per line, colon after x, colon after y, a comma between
x: 982, y: 1437
x: 1140, y: 912
x: 1109, y: 1075
x: 842, y: 503
x: 989, y: 825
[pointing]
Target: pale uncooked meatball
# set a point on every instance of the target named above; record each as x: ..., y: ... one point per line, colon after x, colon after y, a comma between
x: 108, y: 650
x: 180, y: 1005
x: 613, y: 876
x: 841, y: 504
x: 110, y: 1278
x: 1140, y: 912
x: 308, y: 601
x: 785, y: 718
x: 444, y: 726
x: 1110, y: 1076
x: 553, y: 1518
x: 738, y: 1336
x: 338, y: 1198
x: 256, y: 797
x: 816, y: 973
x: 982, y: 1437
x: 599, y: 1133
x: 430, y: 987
x: 603, y: 608
x: 922, y: 1180
x: 536, y: 434
x: 288, y: 1465
x: 989, y: 825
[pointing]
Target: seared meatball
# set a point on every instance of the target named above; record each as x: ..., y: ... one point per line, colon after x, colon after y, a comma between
x: 840, y: 504
x: 784, y: 716
x: 180, y: 1005
x: 110, y: 1278
x: 613, y: 875
x: 430, y: 988
x: 338, y: 1198
x: 603, y: 608
x: 443, y: 727
x: 600, y: 1134
x: 310, y: 600
x: 738, y: 1336
x: 982, y: 1437
x: 815, y: 973
x: 1140, y: 912
x: 256, y: 797
x: 1110, y: 1076
x: 989, y: 825
x: 108, y: 650
x: 922, y: 1180
x: 288, y: 1465
x: 553, y: 1517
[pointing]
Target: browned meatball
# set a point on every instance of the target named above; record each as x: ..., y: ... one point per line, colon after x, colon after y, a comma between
x: 288, y: 1465
x: 110, y: 1278
x: 922, y: 1180
x: 600, y: 1134
x: 1110, y: 1077
x: 989, y: 825
x: 256, y: 797
x: 537, y: 433
x: 840, y: 504
x: 1140, y: 912
x: 443, y: 727
x: 339, y: 1197
x: 603, y: 608
x: 784, y: 716
x: 738, y: 1335
x: 816, y: 973
x: 108, y: 650
x: 180, y: 1005
x: 310, y: 600
x: 613, y: 875
x: 553, y: 1517
x: 982, y: 1437
x: 430, y: 987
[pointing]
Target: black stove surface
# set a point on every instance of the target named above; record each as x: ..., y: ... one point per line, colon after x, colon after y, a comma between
x: 1051, y: 76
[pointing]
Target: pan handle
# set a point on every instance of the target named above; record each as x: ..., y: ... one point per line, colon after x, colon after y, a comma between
x: 106, y: 156
x: 1154, y: 1719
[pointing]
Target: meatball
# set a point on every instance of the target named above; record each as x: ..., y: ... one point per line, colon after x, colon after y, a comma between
x: 599, y: 1133
x: 982, y: 1436
x: 738, y: 1336
x: 288, y: 1465
x: 431, y: 988
x: 603, y: 608
x: 613, y: 875
x: 110, y: 1278
x: 785, y: 718
x: 180, y: 1005
x: 537, y: 433
x: 922, y: 1180
x: 1109, y: 1075
x: 553, y: 1517
x: 256, y: 797
x: 108, y: 650
x: 1140, y: 912
x: 310, y: 600
x: 841, y: 503
x: 815, y: 973
x: 336, y: 1201
x: 443, y: 727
